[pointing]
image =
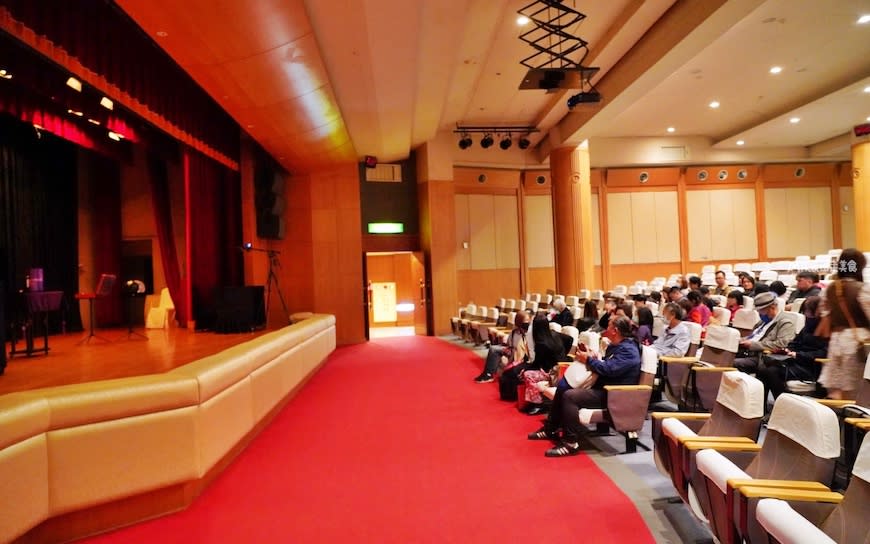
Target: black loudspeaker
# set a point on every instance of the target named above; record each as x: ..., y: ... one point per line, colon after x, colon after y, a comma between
x: 270, y: 203
x: 240, y: 309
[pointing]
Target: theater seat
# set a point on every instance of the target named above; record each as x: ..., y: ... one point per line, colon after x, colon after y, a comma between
x: 802, y: 445
x: 161, y: 316
x: 745, y: 320
x: 835, y: 517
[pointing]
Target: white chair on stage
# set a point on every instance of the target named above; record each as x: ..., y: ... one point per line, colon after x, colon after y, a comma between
x: 161, y: 316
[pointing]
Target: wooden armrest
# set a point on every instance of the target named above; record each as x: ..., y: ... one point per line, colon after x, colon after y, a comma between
x: 571, y: 356
x: 791, y: 494
x: 680, y: 360
x: 627, y: 387
x: 722, y: 446
x: 739, y: 483
x: 833, y: 403
x: 717, y: 439
x: 822, y: 360
x: 860, y: 422
x: 681, y: 415
x: 713, y: 368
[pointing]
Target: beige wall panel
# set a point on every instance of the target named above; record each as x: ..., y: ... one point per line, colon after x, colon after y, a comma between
x: 699, y: 225
x: 745, y: 231
x: 847, y: 216
x: 507, y: 235
x: 667, y: 226
x: 642, y: 215
x: 619, y: 229
x: 463, y: 255
x: 722, y: 212
x: 777, y: 227
x: 485, y: 287
x: 821, y: 231
x: 482, y: 232
x: 596, y: 231
x: 540, y: 252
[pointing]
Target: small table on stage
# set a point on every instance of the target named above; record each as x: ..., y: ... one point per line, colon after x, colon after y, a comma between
x: 38, y: 305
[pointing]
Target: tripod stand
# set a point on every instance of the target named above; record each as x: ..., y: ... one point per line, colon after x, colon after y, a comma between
x: 131, y: 291
x: 274, y: 263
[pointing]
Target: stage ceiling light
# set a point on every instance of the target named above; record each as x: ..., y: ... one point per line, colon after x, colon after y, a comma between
x: 506, y: 142
x: 73, y: 83
x: 524, y: 143
x: 465, y: 142
x: 487, y: 141
x: 107, y: 103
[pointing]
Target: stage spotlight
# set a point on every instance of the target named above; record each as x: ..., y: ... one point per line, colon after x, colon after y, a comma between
x: 524, y: 143
x: 465, y: 142
x: 487, y: 141
x: 506, y: 142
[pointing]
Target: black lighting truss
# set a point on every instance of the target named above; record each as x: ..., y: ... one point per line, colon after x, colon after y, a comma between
x: 549, y: 36
x: 494, y: 130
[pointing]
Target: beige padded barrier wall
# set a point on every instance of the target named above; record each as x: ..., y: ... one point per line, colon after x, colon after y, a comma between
x: 68, y: 448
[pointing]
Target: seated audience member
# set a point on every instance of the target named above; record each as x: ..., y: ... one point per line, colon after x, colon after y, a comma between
x: 761, y: 287
x: 643, y: 334
x: 514, y: 351
x: 806, y: 287
x: 700, y: 312
x: 619, y: 366
x: 687, y: 307
x: 590, y: 316
x: 563, y: 315
x: 734, y: 302
x: 694, y: 283
x: 722, y: 287
x: 609, y: 311
x: 675, y: 340
x: 639, y: 301
x: 772, y: 333
x: 778, y: 288
x: 684, y: 286
x: 799, y: 360
x: 549, y: 350
x: 626, y: 309
x: 675, y: 294
x: 656, y: 296
x: 747, y: 281
x: 705, y: 297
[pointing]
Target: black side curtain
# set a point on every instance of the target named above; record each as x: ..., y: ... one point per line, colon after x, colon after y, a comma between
x: 38, y: 217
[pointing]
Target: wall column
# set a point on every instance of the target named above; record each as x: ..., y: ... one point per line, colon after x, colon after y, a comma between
x: 435, y: 196
x: 861, y: 192
x: 572, y: 218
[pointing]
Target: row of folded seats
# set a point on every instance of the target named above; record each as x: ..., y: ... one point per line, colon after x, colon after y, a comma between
x: 808, y: 481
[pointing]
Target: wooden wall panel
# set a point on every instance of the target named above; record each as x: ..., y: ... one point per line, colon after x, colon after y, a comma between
x: 721, y: 174
x: 847, y: 216
x: 507, y: 235
x: 812, y: 172
x: 643, y: 227
x: 540, y: 251
x: 482, y: 232
x: 463, y: 233
x: 541, y: 279
x: 484, y: 177
x: 798, y: 221
x: 485, y: 287
x: 631, y: 177
x: 627, y: 274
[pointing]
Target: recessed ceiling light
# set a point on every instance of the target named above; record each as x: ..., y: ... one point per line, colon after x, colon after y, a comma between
x: 107, y: 103
x: 5, y: 75
x: 864, y: 19
x: 794, y: 120
x: 740, y: 142
x: 868, y: 117
x: 714, y: 104
x: 522, y: 20
x: 73, y: 83
x: 867, y: 89
x: 671, y: 129
x: 775, y: 69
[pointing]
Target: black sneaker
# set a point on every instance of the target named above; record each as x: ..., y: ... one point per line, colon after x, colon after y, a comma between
x: 483, y: 378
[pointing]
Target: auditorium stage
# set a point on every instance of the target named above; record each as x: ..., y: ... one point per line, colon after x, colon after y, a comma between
x: 118, y: 356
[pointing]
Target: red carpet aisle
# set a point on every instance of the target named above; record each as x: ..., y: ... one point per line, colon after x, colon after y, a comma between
x: 393, y: 442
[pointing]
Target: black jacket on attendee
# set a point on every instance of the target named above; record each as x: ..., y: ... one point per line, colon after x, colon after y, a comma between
x: 813, y: 291
x: 564, y: 318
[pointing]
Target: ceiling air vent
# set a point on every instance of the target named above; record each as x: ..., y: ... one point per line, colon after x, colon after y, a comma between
x: 723, y: 175
x: 385, y: 173
x: 799, y: 172
x: 742, y: 174
x: 702, y: 175
x: 540, y: 180
x: 481, y: 178
x: 644, y: 177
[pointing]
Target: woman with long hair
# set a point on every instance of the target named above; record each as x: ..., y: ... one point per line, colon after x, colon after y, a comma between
x: 549, y: 350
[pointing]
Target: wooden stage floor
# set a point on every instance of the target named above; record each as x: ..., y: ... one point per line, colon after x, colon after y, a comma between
x: 69, y: 361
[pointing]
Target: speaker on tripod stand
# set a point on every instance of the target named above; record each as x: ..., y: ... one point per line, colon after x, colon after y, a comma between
x: 132, y: 290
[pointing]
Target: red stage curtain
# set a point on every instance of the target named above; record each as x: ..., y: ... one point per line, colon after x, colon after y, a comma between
x: 162, y: 203
x: 105, y: 184
x: 213, y: 232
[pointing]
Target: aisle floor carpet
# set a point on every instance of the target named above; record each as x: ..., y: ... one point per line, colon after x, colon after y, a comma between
x: 393, y: 442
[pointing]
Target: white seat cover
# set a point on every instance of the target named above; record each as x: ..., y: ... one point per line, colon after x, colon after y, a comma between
x: 742, y: 394
x: 718, y: 468
x: 808, y: 423
x: 745, y: 319
x: 676, y: 429
x: 787, y: 526
x: 649, y: 360
x: 695, y: 330
x: 721, y: 337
